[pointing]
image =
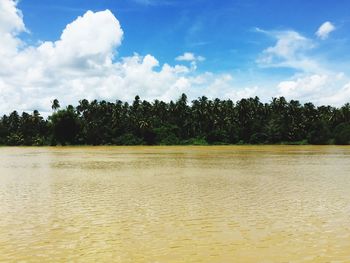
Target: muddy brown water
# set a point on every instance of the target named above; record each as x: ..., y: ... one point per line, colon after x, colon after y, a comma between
x: 175, y: 204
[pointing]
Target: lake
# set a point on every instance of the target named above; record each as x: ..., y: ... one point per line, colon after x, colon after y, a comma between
x: 175, y: 204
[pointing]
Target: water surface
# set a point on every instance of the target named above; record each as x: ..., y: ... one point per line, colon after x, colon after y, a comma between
x: 175, y: 204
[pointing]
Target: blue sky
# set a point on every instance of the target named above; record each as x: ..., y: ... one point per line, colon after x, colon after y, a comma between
x: 229, y: 49
x: 222, y: 31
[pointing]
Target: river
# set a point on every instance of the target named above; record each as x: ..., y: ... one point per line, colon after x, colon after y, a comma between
x: 175, y: 204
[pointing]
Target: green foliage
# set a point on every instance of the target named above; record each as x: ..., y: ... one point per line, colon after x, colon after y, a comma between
x: 166, y: 135
x: 217, y: 137
x: 65, y: 126
x: 200, y: 122
x: 196, y: 141
x: 128, y: 139
x: 342, y: 134
x: 259, y: 138
x: 319, y: 133
x: 302, y: 142
x: 15, y: 139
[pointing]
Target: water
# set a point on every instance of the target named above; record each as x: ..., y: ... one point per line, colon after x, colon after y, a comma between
x: 175, y: 204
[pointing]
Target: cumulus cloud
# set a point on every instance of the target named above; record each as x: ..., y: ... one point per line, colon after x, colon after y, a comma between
x: 33, y: 75
x: 324, y: 30
x: 11, y: 24
x: 320, y: 89
x: 315, y: 80
x: 304, y: 87
x: 83, y: 63
x: 10, y: 18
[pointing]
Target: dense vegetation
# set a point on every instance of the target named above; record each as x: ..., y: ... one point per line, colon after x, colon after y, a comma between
x: 204, y: 121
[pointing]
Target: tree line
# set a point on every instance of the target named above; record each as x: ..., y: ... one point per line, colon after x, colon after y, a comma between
x: 201, y: 122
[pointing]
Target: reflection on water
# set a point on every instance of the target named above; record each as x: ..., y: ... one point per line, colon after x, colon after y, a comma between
x: 175, y: 204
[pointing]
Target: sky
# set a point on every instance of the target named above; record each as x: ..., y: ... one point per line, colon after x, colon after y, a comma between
x: 159, y: 49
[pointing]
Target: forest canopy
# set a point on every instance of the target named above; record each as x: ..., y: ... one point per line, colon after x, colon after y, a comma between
x: 201, y: 122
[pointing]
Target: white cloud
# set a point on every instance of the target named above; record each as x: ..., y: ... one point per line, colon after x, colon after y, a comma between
x: 187, y: 56
x: 290, y: 51
x: 324, y: 30
x: 83, y: 64
x: 11, y: 24
x: 190, y: 57
x: 10, y: 18
x: 315, y: 79
x: 303, y: 87
x: 289, y: 43
x: 320, y: 89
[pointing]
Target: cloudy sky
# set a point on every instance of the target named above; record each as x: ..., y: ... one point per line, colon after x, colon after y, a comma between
x: 158, y: 49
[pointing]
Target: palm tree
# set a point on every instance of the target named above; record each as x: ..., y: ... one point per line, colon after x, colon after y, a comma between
x: 55, y: 104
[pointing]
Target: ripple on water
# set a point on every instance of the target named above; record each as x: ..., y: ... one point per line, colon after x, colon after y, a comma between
x: 175, y: 204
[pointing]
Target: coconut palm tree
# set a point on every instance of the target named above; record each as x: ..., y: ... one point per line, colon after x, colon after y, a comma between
x: 55, y: 105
